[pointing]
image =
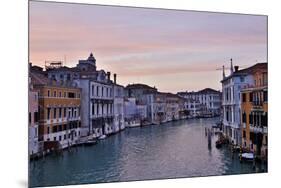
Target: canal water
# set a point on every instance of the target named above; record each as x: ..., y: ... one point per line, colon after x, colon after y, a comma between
x: 171, y: 150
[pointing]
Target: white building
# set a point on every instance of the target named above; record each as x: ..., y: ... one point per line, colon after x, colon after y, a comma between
x: 118, y: 100
x: 156, y: 107
x: 101, y: 104
x: 101, y: 109
x: 209, y: 99
x: 194, y: 108
x: 231, y: 102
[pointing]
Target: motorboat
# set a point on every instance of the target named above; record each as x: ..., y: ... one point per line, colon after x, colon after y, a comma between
x: 247, y: 156
x: 102, y: 137
x: 90, y: 142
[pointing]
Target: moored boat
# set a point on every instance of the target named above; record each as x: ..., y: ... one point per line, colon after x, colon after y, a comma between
x: 90, y: 142
x: 247, y: 156
x: 102, y: 137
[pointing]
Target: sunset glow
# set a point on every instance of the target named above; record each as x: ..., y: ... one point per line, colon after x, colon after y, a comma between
x: 172, y: 50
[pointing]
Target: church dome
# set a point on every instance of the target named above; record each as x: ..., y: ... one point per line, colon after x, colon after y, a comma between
x: 91, y: 58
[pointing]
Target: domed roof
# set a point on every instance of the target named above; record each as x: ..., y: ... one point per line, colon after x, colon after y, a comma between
x: 92, y: 58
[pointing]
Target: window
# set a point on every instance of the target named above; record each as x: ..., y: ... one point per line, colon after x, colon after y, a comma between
x: 48, y: 113
x: 48, y: 130
x: 264, y: 117
x: 242, y: 79
x: 59, y: 138
x: 244, y: 97
x: 71, y: 95
x: 60, y: 94
x: 93, y: 109
x: 251, y: 97
x: 244, y: 134
x: 64, y: 94
x: 64, y: 112
x: 250, y: 118
x: 244, y: 117
x: 29, y: 117
x: 97, y: 90
x: 60, y: 127
x: 93, y: 90
x: 79, y: 95
x: 265, y: 96
x: 102, y: 91
x: 55, y: 113
x: 64, y: 136
x: 59, y: 112
x: 36, y: 117
x: 55, y: 138
x: 48, y: 93
x: 55, y: 93
x: 54, y: 130
x: 64, y: 127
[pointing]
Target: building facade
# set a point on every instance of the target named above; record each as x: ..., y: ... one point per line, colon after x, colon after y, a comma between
x: 34, y: 145
x: 59, y: 114
x: 99, y: 116
x: 231, y: 89
x: 254, y: 113
x: 209, y: 99
x: 118, y: 100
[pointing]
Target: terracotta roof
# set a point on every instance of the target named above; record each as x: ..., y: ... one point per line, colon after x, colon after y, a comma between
x: 203, y: 91
x: 38, y: 79
x: 249, y: 70
x: 139, y: 86
x: 208, y: 90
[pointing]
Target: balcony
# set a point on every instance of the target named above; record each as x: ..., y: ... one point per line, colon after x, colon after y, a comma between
x: 257, y: 103
x: 256, y: 129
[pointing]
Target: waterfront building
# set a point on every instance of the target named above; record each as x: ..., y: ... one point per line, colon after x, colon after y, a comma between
x: 175, y: 108
x: 98, y: 97
x: 101, y: 105
x: 59, y: 112
x: 34, y: 145
x: 254, y: 108
x: 118, y: 100
x: 134, y: 112
x: 130, y: 112
x: 194, y: 108
x: 209, y: 99
x: 138, y: 90
x: 231, y: 89
x: 156, y: 107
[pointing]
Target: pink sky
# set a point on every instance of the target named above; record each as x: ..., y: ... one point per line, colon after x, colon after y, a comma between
x: 172, y: 50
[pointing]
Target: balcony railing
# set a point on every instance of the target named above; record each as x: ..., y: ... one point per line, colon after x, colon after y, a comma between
x: 257, y: 103
x: 256, y: 129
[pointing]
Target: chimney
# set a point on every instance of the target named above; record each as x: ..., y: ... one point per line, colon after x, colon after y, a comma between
x: 231, y: 66
x: 114, y: 78
x: 236, y: 68
x: 223, y: 72
x: 108, y: 76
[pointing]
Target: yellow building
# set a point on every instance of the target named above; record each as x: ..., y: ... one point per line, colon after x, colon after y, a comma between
x: 254, y: 108
x: 59, y: 112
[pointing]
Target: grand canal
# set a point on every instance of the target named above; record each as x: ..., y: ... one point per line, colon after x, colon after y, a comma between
x: 171, y: 150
